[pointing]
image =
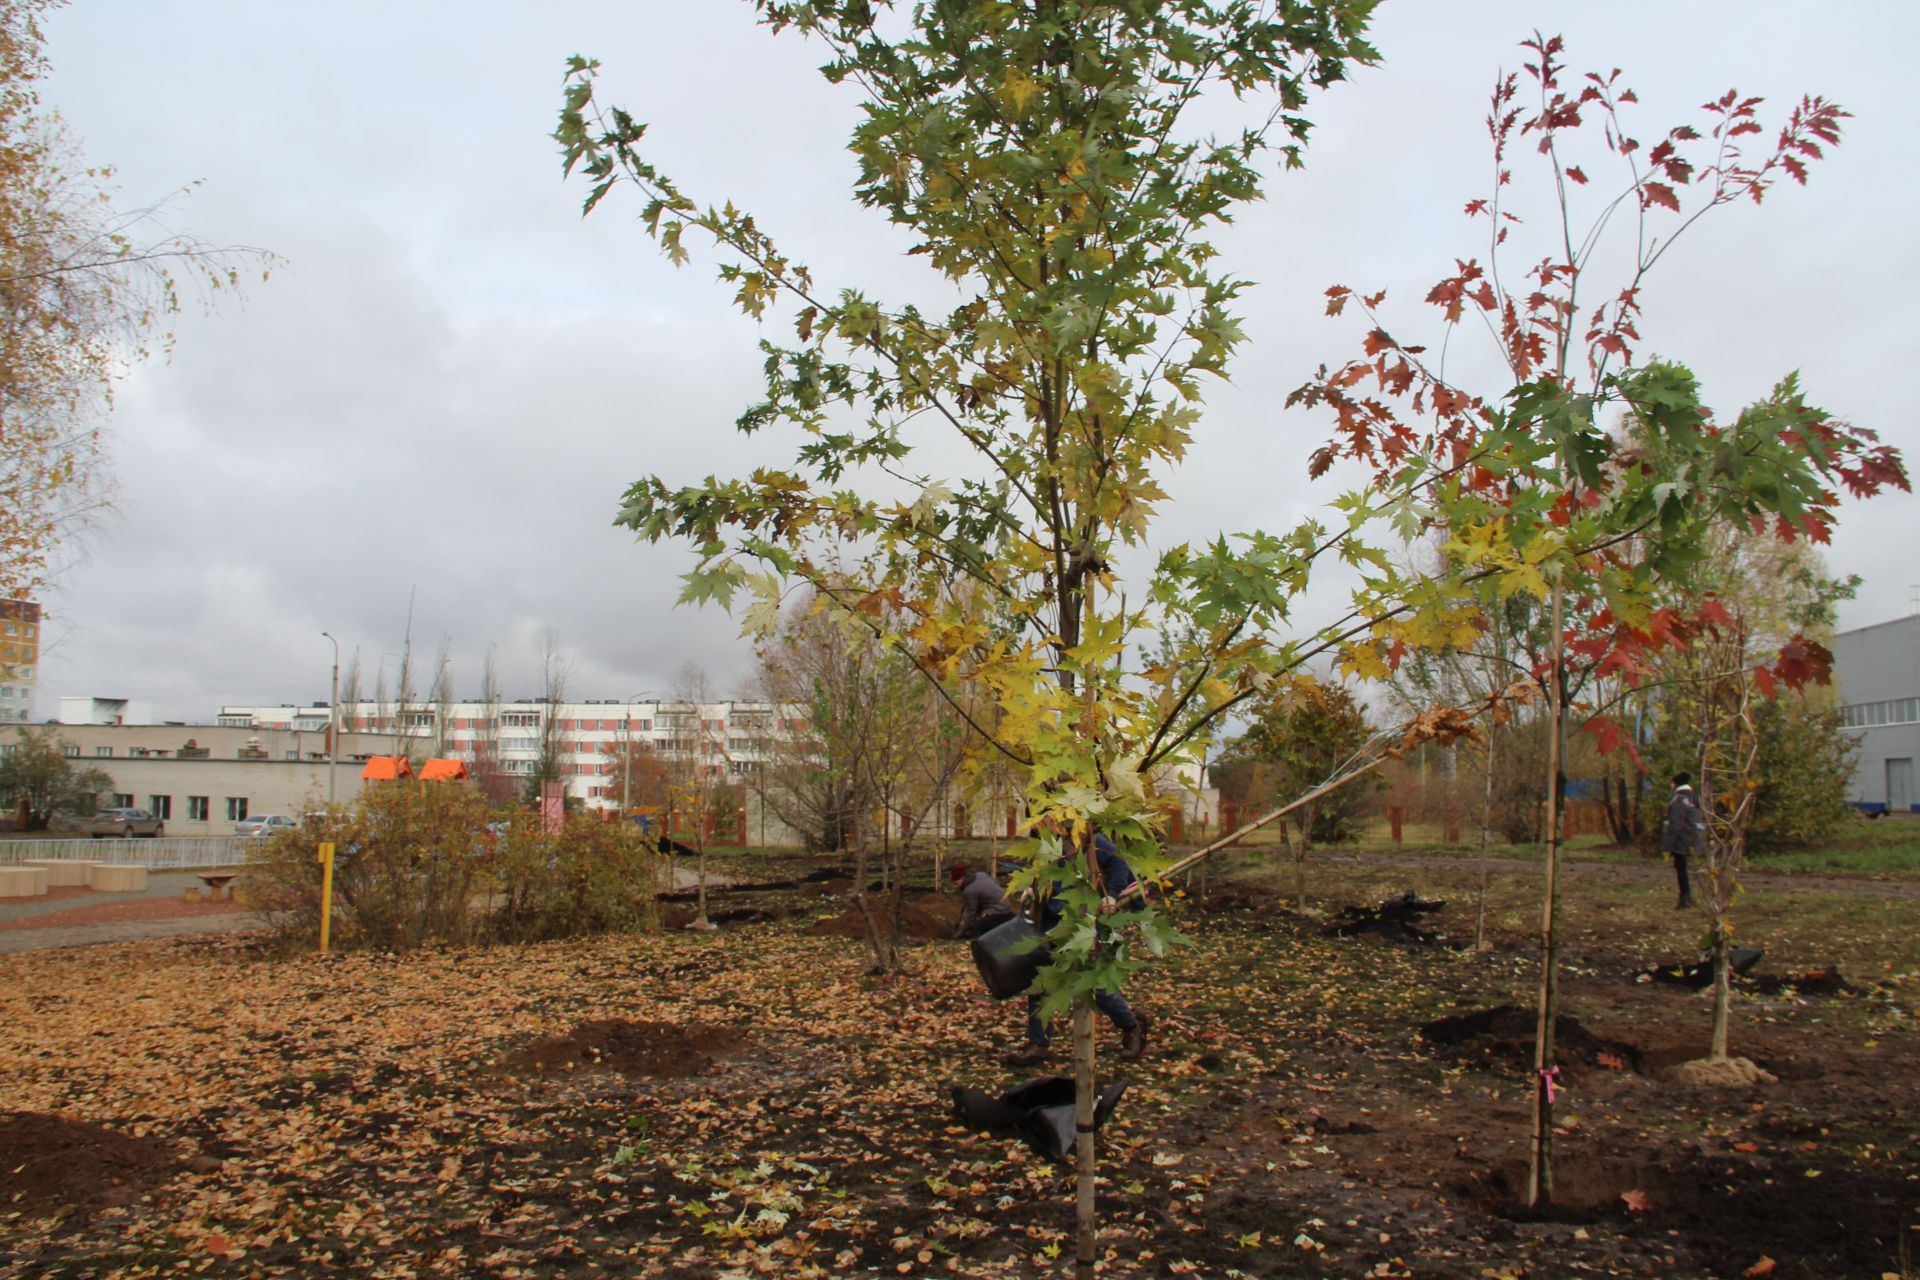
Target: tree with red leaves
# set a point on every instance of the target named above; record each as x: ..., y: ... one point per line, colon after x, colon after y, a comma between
x: 1588, y: 478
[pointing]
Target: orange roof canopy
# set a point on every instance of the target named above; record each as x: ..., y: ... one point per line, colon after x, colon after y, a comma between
x: 443, y: 771
x: 386, y: 768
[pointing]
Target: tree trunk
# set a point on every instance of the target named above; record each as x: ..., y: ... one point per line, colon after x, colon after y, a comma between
x: 701, y: 892
x: 1486, y: 845
x: 1085, y: 1243
x: 1722, y: 990
x: 1540, y: 1170
x: 869, y: 926
x: 895, y: 856
x: 1300, y: 862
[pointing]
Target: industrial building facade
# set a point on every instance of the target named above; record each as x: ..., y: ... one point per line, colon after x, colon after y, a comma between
x: 199, y: 780
x: 1877, y: 670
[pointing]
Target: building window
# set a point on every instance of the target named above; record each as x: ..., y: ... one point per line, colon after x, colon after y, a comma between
x: 236, y: 808
x: 160, y: 807
x: 103, y: 752
x: 521, y: 720
x: 123, y: 800
x: 196, y: 808
x: 71, y: 750
x: 1872, y: 715
x: 293, y: 755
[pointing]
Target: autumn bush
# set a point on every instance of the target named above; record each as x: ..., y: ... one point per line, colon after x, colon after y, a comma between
x: 417, y: 865
x: 590, y: 877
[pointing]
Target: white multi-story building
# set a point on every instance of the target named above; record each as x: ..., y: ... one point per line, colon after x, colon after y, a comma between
x: 19, y: 659
x: 589, y: 740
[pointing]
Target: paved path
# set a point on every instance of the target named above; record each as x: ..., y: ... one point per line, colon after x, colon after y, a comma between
x: 86, y: 935
x: 160, y: 884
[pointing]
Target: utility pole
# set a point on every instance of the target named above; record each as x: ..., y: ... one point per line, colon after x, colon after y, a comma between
x: 333, y: 721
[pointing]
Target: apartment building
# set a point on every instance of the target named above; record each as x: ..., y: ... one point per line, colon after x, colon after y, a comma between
x: 589, y: 740
x: 1877, y: 669
x: 19, y: 659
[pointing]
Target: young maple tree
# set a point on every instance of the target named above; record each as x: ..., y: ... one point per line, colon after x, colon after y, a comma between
x: 1043, y: 160
x: 1532, y: 480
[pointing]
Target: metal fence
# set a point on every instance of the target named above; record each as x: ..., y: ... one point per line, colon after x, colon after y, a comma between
x: 171, y: 853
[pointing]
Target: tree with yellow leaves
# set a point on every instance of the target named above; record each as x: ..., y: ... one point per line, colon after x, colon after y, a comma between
x: 86, y: 287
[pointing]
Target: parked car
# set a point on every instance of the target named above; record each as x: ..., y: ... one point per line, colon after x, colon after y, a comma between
x: 125, y: 822
x: 262, y: 825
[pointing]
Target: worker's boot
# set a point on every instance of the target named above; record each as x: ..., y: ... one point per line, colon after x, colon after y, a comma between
x: 1133, y: 1041
x: 1030, y: 1054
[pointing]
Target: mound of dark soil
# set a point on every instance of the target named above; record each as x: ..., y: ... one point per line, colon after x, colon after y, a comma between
x: 928, y: 916
x: 1393, y: 920
x: 1233, y: 897
x: 659, y: 1049
x: 48, y: 1163
x: 1698, y: 976
x: 682, y: 917
x: 1504, y: 1035
x: 1808, y: 982
x: 1852, y: 1229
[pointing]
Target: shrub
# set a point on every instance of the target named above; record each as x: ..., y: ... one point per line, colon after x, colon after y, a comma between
x: 419, y: 864
x: 590, y: 877
x: 408, y: 858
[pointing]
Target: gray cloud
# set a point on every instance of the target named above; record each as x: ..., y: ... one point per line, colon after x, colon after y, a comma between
x: 445, y: 391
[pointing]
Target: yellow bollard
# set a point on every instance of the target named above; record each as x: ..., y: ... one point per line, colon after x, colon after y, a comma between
x: 326, y: 892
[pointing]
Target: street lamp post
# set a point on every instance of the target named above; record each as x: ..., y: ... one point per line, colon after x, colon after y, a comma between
x: 333, y: 722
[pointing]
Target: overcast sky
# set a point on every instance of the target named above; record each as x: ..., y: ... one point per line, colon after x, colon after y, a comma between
x: 444, y: 391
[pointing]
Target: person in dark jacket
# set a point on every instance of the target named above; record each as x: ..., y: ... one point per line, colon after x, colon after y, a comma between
x: 1681, y: 834
x: 1116, y: 878
x: 983, y: 903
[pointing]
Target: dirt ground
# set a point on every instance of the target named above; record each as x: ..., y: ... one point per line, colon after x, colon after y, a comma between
x: 749, y: 1101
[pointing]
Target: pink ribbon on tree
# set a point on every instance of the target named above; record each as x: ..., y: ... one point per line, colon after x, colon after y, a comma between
x: 1550, y: 1076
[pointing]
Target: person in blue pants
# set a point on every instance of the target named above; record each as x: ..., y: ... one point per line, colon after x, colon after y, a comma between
x: 1116, y: 878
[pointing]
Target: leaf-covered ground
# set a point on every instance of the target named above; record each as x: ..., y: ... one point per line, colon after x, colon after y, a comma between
x: 192, y: 1107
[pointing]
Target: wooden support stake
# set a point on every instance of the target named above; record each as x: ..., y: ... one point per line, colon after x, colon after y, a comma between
x: 326, y: 893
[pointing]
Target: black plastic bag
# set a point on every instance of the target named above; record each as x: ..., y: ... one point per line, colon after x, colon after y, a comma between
x: 1039, y: 1111
x: 1007, y: 963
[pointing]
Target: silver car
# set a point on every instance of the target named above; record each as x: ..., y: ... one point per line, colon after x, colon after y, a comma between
x: 125, y: 822
x: 262, y: 825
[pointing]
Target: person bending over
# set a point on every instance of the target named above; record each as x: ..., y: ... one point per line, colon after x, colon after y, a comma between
x: 983, y: 904
x: 1116, y: 878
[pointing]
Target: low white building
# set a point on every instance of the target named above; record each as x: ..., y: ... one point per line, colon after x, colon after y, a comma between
x: 126, y: 711
x: 200, y: 780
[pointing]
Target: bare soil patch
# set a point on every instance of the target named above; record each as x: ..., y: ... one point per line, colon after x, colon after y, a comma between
x: 924, y: 916
x: 661, y: 1050
x: 50, y: 1163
